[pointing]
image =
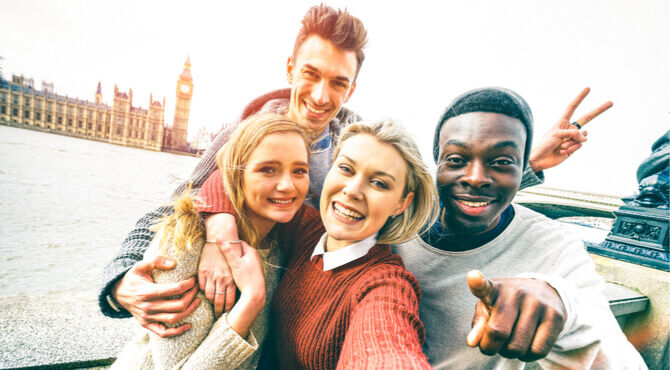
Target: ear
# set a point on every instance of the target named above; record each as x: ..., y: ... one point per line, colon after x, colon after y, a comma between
x: 404, y: 203
x: 289, y: 70
x: 350, y: 92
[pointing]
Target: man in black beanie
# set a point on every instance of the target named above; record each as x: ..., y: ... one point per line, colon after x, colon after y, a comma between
x: 548, y: 303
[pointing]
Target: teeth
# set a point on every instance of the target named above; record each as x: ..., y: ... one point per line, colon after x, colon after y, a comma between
x: 474, y: 204
x: 314, y: 110
x: 281, y: 201
x: 344, y: 212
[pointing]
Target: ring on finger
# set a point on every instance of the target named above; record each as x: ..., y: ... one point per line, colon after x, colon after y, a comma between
x: 220, y: 292
x: 579, y: 127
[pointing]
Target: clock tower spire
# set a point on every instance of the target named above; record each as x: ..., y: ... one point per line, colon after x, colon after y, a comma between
x: 179, y: 131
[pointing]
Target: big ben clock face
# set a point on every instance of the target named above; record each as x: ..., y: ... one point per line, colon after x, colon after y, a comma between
x: 185, y: 89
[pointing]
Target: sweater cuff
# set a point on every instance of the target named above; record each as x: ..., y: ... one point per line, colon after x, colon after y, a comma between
x: 237, y: 349
x: 106, y: 291
x: 530, y: 178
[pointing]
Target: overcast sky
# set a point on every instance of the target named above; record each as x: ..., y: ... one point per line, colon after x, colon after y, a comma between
x: 419, y: 57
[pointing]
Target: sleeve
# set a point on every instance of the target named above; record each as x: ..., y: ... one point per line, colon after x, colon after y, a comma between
x: 530, y: 178
x: 213, y: 196
x: 136, y: 243
x: 591, y: 337
x: 224, y: 348
x: 385, y: 331
x: 131, y: 251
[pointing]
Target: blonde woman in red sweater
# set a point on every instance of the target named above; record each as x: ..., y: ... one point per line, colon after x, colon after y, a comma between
x: 345, y: 300
x: 266, y: 169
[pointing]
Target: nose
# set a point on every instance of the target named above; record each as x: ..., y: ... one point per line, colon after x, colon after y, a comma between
x: 285, y: 183
x: 476, y: 175
x: 320, y: 93
x: 352, y: 188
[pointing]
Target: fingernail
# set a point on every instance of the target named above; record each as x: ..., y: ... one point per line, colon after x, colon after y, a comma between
x: 472, y: 336
x: 169, y: 262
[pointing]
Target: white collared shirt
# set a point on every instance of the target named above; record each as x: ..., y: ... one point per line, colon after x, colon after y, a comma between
x: 345, y: 255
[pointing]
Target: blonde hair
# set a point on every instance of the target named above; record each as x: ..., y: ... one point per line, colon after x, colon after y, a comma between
x: 423, y: 210
x: 234, y: 155
x: 184, y: 227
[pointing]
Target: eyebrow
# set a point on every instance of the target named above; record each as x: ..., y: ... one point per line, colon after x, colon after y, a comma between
x: 339, y: 78
x: 296, y: 163
x: 494, y: 146
x: 376, y: 173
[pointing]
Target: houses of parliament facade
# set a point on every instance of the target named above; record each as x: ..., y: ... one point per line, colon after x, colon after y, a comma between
x: 22, y: 105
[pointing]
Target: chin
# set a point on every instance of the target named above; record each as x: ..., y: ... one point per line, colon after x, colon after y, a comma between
x: 467, y: 228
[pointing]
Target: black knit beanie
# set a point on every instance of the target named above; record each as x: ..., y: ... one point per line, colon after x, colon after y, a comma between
x: 489, y: 100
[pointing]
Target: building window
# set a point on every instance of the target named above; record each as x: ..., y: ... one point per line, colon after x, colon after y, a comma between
x: 38, y: 116
x: 81, y: 112
x: 60, y: 120
x: 118, y: 130
x: 16, y: 99
x: 26, y: 114
x: 4, y: 97
x: 49, y: 105
x: 89, y: 125
x: 15, y: 112
x: 100, y: 116
x: 80, y: 124
x: 38, y: 104
x: 153, y: 137
x: 3, y: 109
x: 49, y: 118
x: 27, y: 102
x: 99, y: 127
x: 60, y: 108
x: 69, y: 121
x: 69, y: 110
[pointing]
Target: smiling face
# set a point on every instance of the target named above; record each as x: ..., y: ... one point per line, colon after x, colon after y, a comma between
x: 275, y: 179
x: 479, y: 169
x: 322, y: 79
x: 363, y: 188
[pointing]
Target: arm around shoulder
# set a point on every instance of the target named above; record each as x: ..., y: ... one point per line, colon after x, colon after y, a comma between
x: 131, y: 251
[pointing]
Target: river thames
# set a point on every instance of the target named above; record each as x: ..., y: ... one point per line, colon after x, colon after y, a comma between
x: 67, y: 203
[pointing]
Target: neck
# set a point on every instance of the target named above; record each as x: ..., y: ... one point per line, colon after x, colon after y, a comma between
x: 263, y: 227
x: 333, y: 244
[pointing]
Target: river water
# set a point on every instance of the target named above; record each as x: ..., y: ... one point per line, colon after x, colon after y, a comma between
x: 66, y: 203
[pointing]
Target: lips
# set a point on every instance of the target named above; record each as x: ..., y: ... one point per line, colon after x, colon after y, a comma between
x: 346, y: 213
x: 313, y: 109
x: 473, y: 206
x: 282, y: 202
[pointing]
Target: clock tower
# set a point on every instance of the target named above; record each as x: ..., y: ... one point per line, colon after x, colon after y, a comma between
x: 179, y: 131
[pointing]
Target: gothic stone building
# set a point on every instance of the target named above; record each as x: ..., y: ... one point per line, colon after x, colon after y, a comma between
x: 122, y: 123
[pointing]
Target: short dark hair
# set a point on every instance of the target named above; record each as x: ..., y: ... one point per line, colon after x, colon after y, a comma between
x: 344, y: 30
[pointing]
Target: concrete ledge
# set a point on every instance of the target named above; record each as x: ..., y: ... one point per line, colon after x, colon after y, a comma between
x: 59, y: 331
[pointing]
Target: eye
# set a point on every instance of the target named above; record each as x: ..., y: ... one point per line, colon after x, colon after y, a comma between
x: 340, y: 85
x: 300, y: 171
x: 268, y: 170
x: 379, y: 184
x: 345, y: 168
x: 310, y: 74
x: 454, y: 161
x: 503, y: 162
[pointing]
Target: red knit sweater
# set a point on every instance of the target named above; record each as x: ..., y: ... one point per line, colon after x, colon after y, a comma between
x: 364, y: 314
